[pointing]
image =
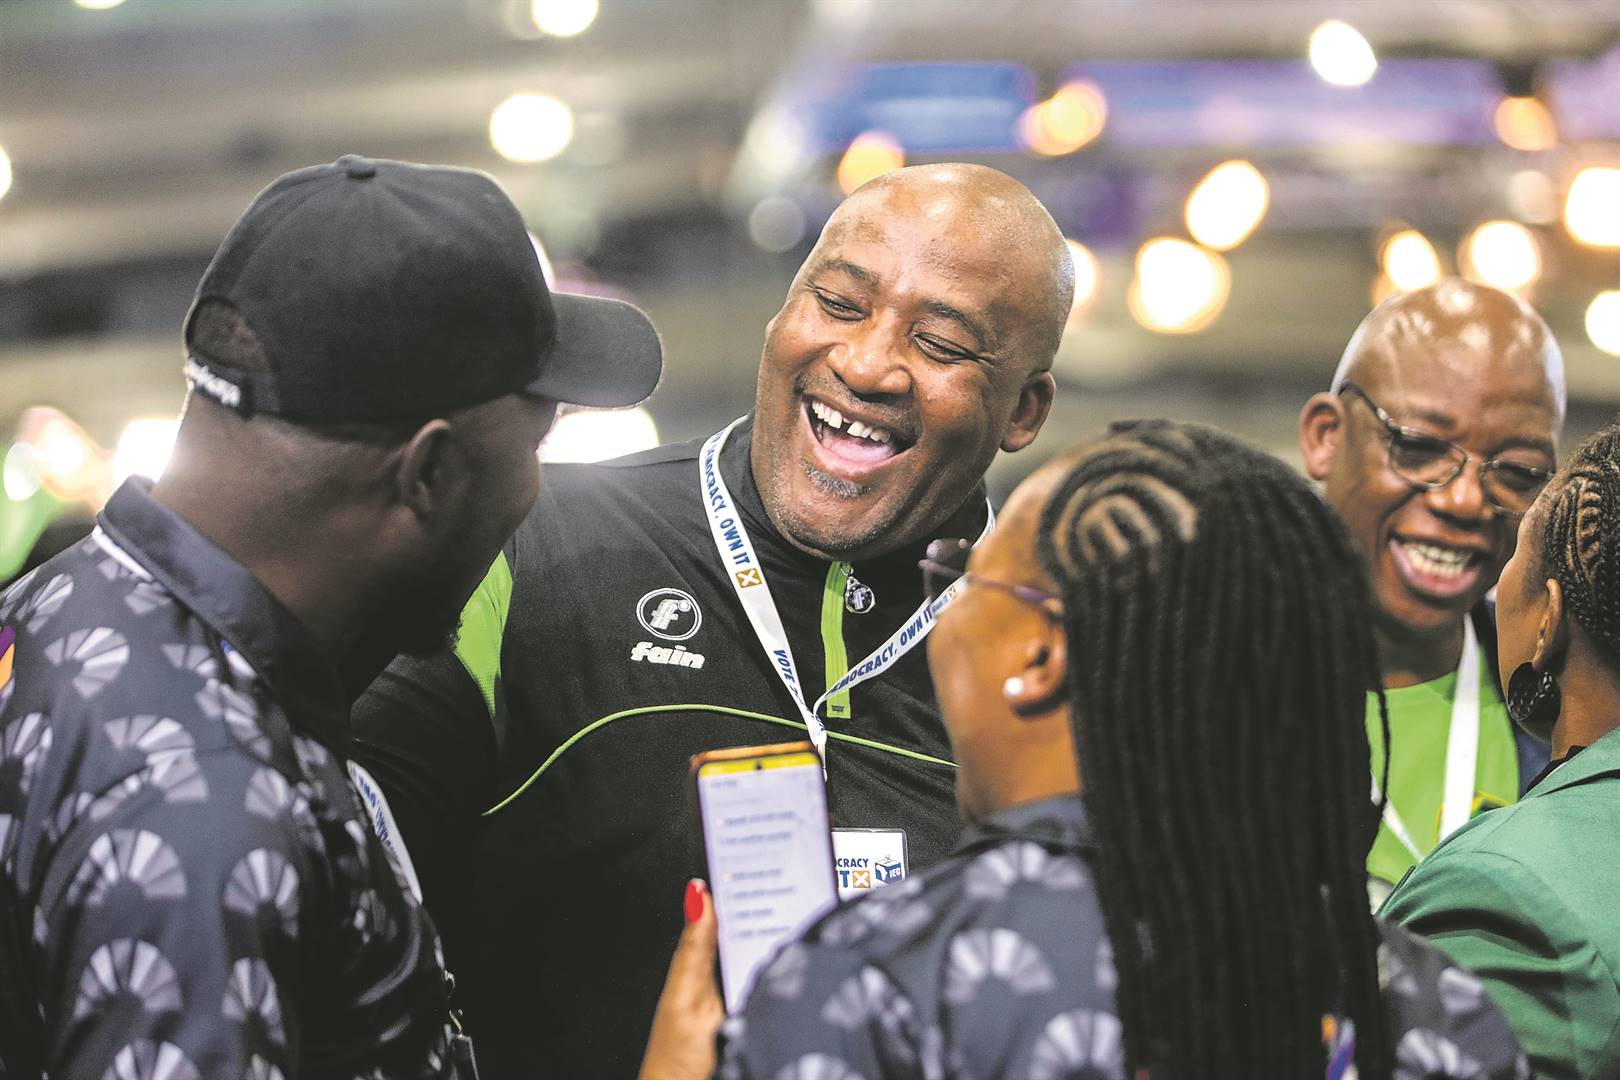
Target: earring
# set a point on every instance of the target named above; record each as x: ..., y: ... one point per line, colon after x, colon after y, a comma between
x: 1013, y: 688
x: 1533, y: 699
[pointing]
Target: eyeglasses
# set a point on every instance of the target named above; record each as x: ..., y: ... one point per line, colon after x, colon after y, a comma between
x: 946, y: 563
x: 1430, y: 463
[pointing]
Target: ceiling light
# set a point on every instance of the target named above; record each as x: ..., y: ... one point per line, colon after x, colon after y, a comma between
x: 599, y: 434
x: 1592, y: 207
x: 1409, y: 261
x: 5, y: 172
x: 1525, y: 123
x: 144, y: 448
x: 1179, y: 287
x: 1341, y: 55
x: 776, y: 223
x: 1066, y: 121
x: 98, y: 5
x: 1502, y: 253
x: 563, y: 18
x: 1087, y: 272
x: 1227, y: 205
x: 530, y: 127
x: 1603, y: 321
x: 869, y: 156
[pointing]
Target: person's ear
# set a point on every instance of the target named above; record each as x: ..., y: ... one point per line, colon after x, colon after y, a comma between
x: 1034, y: 406
x: 1321, y: 425
x: 430, y: 470
x: 1041, y: 684
x: 1552, y: 634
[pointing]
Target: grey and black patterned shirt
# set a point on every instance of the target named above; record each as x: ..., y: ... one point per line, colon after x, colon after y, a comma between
x: 995, y: 964
x: 189, y: 885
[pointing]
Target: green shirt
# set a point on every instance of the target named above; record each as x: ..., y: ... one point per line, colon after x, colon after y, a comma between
x: 1420, y: 724
x: 1525, y: 899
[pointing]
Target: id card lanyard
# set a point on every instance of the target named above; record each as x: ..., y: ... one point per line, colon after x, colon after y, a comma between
x: 1462, y: 753
x: 747, y: 576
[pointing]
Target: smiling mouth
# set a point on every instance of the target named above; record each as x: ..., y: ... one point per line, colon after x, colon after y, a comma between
x: 1437, y: 570
x: 855, y: 444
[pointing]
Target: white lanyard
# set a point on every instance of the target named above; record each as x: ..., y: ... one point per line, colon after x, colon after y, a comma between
x: 1462, y: 752
x: 747, y: 575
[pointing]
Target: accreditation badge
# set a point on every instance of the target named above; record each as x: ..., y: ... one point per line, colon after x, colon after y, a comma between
x: 867, y: 859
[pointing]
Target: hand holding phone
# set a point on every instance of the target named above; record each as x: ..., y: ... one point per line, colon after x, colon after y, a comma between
x: 768, y: 849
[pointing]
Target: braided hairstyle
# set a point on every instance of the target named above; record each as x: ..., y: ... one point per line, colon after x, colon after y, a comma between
x: 1580, y: 538
x: 1220, y: 652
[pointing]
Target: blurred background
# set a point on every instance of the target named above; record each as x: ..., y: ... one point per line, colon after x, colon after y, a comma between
x: 1241, y: 180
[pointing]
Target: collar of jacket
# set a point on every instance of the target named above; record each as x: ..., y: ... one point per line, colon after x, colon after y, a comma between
x: 1600, y: 761
x: 230, y: 600
x: 781, y: 556
x: 1058, y: 822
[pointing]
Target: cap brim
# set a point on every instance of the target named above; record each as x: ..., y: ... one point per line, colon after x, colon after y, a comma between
x: 606, y: 353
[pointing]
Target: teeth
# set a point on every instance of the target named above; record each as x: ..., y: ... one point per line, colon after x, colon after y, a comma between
x: 828, y: 415
x: 1439, y: 561
x: 835, y: 420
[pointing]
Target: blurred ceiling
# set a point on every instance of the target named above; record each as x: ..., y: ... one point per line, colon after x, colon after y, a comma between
x: 138, y: 134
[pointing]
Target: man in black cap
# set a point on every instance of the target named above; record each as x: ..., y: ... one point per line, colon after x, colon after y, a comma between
x: 195, y: 879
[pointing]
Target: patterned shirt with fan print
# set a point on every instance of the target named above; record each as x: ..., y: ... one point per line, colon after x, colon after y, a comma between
x: 996, y: 963
x: 190, y: 885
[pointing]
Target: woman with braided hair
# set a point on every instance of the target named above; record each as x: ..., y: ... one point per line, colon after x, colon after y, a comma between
x: 1525, y: 895
x: 1153, y: 675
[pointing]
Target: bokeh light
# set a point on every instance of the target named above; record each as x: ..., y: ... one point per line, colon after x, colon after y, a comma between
x: 1409, y: 260
x: 1525, y: 123
x: 21, y: 479
x: 98, y: 5
x: 563, y: 18
x: 1603, y: 321
x: 530, y: 127
x: 5, y: 172
x: 776, y: 223
x: 1179, y: 287
x: 1341, y: 55
x: 1066, y: 121
x: 1592, y: 207
x: 1502, y: 253
x: 1227, y: 205
x: 144, y: 448
x: 1087, y: 275
x: 868, y: 157
x: 599, y: 434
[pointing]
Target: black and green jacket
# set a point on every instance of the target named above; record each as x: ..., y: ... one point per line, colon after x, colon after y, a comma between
x: 540, y: 775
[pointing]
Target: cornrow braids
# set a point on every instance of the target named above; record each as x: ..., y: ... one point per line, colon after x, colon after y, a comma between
x: 1220, y: 654
x: 1580, y: 540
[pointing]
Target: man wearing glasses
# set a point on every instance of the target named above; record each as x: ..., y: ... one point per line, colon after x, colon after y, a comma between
x: 1439, y: 430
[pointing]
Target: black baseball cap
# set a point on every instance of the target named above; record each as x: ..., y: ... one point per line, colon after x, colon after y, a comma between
x: 392, y: 292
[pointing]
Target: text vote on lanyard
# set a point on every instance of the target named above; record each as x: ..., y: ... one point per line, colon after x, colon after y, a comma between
x: 747, y: 576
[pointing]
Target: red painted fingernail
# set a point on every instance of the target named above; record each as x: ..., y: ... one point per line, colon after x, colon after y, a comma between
x: 694, y: 900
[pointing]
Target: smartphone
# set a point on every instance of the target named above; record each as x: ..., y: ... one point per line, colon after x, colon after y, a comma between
x: 768, y: 852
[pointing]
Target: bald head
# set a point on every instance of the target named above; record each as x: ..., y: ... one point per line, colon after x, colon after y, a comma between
x: 1491, y: 332
x: 987, y: 209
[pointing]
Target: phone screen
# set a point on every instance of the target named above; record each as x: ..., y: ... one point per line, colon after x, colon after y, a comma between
x: 769, y: 853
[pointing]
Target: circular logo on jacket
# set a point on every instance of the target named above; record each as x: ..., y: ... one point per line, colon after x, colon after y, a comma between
x: 858, y: 599
x: 670, y: 613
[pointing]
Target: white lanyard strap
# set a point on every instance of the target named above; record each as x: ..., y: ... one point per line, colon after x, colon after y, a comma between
x: 1462, y: 753
x: 747, y: 576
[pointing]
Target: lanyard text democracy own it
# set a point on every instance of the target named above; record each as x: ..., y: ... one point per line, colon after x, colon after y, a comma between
x: 1462, y: 754
x: 747, y: 576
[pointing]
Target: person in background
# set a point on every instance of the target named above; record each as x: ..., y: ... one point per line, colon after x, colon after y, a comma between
x: 709, y: 595
x: 195, y: 878
x: 1524, y: 897
x: 1153, y: 677
x: 1439, y: 428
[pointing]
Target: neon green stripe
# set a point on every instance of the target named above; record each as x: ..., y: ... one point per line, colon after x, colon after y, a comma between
x: 832, y: 637
x: 744, y: 713
x: 483, y: 624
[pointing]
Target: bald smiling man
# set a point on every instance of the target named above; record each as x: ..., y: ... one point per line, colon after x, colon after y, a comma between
x: 631, y: 622
x: 1439, y: 430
